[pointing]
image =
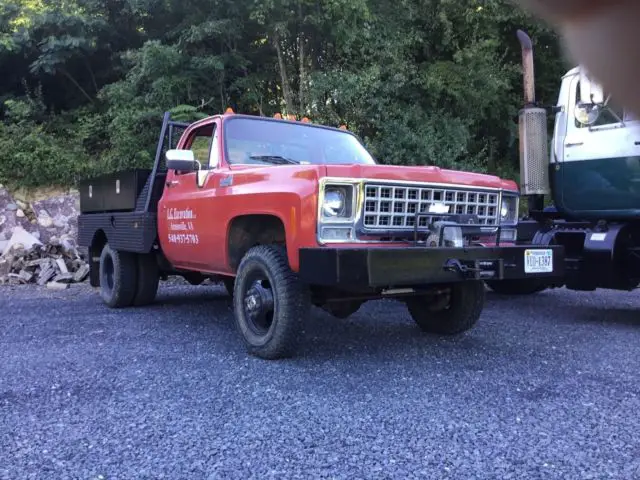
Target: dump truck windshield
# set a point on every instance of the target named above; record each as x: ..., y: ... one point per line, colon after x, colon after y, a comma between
x: 277, y: 142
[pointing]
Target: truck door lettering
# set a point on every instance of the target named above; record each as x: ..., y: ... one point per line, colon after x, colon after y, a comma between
x: 178, y: 223
x: 180, y: 214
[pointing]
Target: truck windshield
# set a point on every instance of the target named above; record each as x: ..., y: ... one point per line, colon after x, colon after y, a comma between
x: 277, y: 142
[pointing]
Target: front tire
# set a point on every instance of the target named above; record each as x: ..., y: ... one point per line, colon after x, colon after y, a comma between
x: 453, y: 313
x: 118, y: 277
x: 270, y: 303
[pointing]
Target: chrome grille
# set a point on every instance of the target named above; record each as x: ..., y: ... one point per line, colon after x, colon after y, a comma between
x: 394, y: 207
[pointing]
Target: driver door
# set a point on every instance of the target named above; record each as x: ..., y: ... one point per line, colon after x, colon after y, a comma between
x: 187, y: 210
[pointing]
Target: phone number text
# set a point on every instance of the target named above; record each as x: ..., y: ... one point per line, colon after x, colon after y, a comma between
x: 184, y: 238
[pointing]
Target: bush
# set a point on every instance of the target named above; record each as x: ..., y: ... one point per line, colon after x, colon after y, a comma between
x: 31, y: 157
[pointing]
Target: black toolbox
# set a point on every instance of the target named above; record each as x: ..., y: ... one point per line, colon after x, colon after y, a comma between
x: 113, y: 192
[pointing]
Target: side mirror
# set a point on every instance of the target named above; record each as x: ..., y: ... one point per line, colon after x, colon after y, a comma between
x: 587, y: 113
x: 590, y: 92
x: 182, y: 160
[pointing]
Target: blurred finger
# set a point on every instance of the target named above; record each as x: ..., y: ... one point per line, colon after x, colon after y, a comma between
x: 602, y: 36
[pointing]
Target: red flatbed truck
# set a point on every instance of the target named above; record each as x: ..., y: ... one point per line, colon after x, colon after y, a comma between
x: 289, y: 214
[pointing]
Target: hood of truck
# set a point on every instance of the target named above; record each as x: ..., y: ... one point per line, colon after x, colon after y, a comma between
x: 420, y: 174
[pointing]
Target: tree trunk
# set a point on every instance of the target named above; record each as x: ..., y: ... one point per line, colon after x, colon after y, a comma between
x: 301, y: 78
x: 286, y: 88
x: 301, y: 59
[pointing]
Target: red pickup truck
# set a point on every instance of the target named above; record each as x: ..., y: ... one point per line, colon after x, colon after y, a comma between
x: 289, y: 214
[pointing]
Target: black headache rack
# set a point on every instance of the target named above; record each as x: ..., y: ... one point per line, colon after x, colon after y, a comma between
x: 420, y: 264
x: 124, y: 204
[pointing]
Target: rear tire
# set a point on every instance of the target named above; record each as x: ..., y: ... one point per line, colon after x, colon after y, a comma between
x: 451, y: 315
x: 516, y: 287
x: 270, y: 303
x: 148, y: 280
x: 118, y: 277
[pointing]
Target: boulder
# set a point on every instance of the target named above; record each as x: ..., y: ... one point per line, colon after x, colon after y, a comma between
x: 57, y: 216
x: 21, y: 239
x: 10, y: 217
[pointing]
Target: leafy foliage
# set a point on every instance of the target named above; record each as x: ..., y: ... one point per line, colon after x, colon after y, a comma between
x: 423, y: 82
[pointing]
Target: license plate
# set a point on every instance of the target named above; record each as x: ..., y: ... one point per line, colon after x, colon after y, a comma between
x: 538, y: 261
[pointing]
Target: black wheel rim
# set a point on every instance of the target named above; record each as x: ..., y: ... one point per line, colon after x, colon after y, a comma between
x: 108, y: 272
x: 258, y: 303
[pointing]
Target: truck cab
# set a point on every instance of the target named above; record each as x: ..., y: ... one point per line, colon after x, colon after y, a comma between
x: 289, y: 214
x: 595, y: 154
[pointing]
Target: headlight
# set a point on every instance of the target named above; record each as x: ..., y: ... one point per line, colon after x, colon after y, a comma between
x: 338, y: 202
x: 509, y: 209
x: 336, y: 212
x: 334, y: 203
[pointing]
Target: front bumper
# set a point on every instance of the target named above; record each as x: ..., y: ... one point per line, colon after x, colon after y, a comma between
x: 385, y: 267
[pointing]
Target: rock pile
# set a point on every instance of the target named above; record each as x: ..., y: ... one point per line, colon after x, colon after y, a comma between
x: 56, y: 264
x: 48, y: 218
x: 37, y: 241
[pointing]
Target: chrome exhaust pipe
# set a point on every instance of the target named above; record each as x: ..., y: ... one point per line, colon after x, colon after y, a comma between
x: 527, y: 68
x: 534, y: 149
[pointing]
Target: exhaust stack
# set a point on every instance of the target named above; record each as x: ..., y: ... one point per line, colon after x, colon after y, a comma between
x: 527, y: 68
x: 534, y: 146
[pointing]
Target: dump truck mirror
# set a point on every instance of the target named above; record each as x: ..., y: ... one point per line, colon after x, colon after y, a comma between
x: 587, y: 113
x: 590, y: 91
x: 182, y: 160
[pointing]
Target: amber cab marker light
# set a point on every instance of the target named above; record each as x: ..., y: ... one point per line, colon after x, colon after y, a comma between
x: 278, y: 116
x: 229, y: 111
x: 343, y: 127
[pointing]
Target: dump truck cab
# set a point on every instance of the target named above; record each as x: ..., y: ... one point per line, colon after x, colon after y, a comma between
x: 589, y: 172
x: 595, y: 158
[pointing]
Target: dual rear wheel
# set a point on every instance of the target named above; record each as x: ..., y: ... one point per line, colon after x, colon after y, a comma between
x: 127, y: 279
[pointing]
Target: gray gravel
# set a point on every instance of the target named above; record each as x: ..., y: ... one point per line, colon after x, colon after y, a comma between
x: 543, y: 387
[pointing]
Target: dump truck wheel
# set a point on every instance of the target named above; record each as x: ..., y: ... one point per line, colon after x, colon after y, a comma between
x: 452, y: 313
x: 148, y: 280
x: 516, y: 287
x: 270, y: 303
x: 118, y: 277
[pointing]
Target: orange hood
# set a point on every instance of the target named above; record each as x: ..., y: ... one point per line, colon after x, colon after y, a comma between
x: 420, y: 174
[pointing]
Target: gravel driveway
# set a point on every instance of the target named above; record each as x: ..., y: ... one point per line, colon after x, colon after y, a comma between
x: 544, y: 387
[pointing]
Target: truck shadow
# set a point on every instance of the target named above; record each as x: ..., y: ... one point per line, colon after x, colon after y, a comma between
x: 569, y: 307
x: 380, y: 330
x: 384, y: 331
